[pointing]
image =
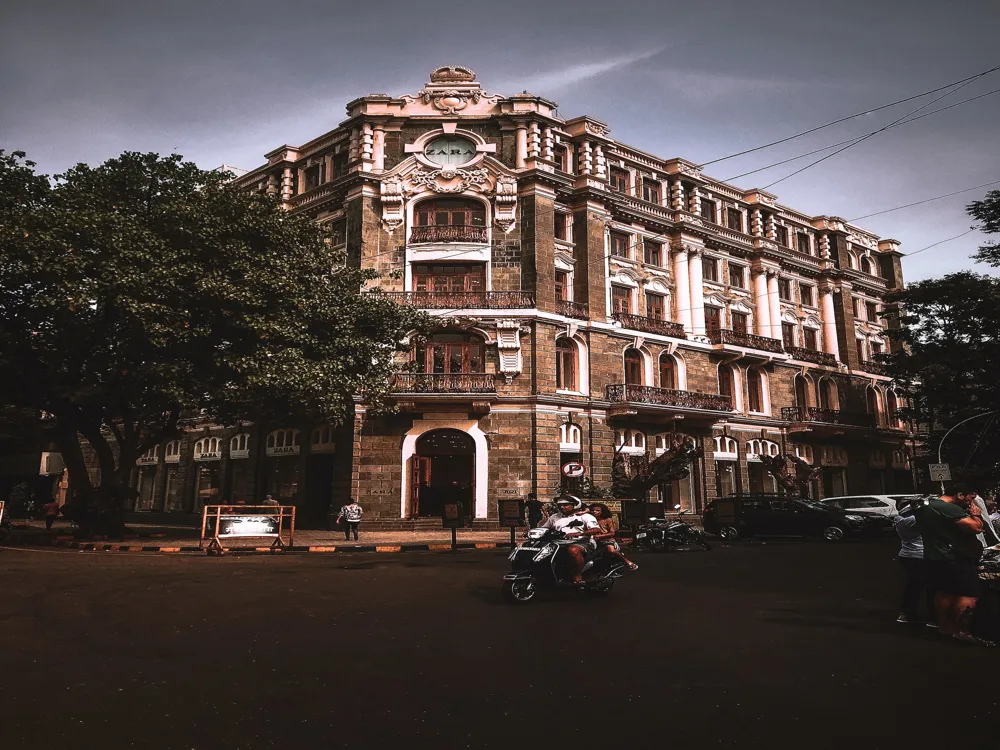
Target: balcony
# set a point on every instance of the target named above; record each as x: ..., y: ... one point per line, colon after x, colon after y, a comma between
x: 571, y: 309
x: 650, y: 325
x: 464, y: 300
x: 448, y: 233
x: 723, y: 336
x: 818, y: 415
x: 444, y: 383
x: 876, y: 368
x: 812, y: 355
x: 620, y: 393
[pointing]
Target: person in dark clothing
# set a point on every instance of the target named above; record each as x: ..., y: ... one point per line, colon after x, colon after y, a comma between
x: 534, y: 510
x: 911, y: 557
x: 51, y: 509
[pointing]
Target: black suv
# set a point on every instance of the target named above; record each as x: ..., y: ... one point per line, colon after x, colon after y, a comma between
x: 737, y: 516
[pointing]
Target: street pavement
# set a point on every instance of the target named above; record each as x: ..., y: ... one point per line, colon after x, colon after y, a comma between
x: 752, y: 646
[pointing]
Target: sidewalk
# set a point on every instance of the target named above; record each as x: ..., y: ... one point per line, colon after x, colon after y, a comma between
x: 160, y: 538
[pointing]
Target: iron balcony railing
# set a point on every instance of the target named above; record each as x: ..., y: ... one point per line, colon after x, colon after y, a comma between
x: 812, y: 355
x: 465, y: 300
x: 571, y: 309
x: 444, y: 383
x: 876, y: 368
x: 621, y: 393
x: 747, y: 340
x: 650, y: 325
x: 449, y: 233
x: 827, y: 416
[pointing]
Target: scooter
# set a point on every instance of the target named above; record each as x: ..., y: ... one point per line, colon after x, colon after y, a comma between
x: 665, y: 534
x: 541, y: 562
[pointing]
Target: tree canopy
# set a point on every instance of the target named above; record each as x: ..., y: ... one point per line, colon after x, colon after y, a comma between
x: 145, y: 289
x: 947, y: 355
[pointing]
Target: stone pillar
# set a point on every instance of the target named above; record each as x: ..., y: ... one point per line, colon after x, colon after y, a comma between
x: 522, y: 144
x: 683, y: 291
x: 756, y: 223
x: 590, y: 274
x: 760, y: 298
x: 378, y: 148
x: 774, y: 306
x: 694, y: 201
x: 829, y: 322
x: 697, y: 294
x: 538, y: 262
x: 287, y: 184
x: 677, y: 194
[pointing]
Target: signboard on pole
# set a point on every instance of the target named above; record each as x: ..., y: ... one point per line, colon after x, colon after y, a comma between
x: 220, y: 522
x: 259, y: 526
x: 511, y: 513
x: 939, y: 472
x: 451, y: 517
x: 573, y: 469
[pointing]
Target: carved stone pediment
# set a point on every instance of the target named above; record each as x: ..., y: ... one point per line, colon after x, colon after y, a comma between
x: 452, y: 90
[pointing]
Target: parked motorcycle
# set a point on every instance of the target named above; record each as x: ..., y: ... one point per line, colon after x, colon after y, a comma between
x: 541, y: 562
x: 667, y: 534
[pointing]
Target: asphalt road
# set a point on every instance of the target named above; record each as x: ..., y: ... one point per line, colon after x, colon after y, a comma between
x: 780, y: 645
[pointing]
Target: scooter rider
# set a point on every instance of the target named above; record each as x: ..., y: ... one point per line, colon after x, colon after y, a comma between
x: 584, y: 525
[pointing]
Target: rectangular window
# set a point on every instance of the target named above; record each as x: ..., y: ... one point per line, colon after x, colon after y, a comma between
x: 871, y: 311
x: 810, y: 339
x: 652, y: 252
x: 741, y: 322
x: 710, y: 269
x: 621, y: 299
x: 876, y: 348
x: 808, y: 294
x: 788, y: 334
x: 619, y: 180
x: 620, y: 245
x: 803, y: 240
x: 565, y: 366
x: 734, y: 219
x: 650, y: 190
x: 706, y: 209
x: 785, y: 290
x: 449, y: 277
x: 856, y: 307
x: 654, y: 306
x: 563, y: 159
x: 561, y: 226
x: 755, y: 396
x: 781, y: 234
x: 861, y: 349
x: 737, y: 276
x: 562, y: 285
x: 339, y: 165
x: 713, y: 319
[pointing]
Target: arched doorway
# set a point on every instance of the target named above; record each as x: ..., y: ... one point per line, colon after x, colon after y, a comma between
x: 443, y: 472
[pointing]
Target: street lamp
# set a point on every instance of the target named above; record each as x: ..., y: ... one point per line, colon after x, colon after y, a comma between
x: 941, y: 444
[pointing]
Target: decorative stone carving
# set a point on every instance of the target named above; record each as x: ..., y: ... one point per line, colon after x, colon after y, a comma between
x: 450, y: 101
x: 509, y: 348
x: 505, y: 203
x: 448, y: 180
x: 392, y: 204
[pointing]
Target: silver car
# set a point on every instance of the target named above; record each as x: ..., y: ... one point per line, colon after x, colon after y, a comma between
x: 885, y: 505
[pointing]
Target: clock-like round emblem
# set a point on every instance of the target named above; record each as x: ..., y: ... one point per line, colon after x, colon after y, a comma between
x: 450, y: 150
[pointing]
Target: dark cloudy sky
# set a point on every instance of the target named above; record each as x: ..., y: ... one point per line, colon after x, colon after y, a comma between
x: 225, y: 82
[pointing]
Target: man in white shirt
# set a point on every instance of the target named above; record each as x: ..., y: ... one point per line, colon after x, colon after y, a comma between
x: 574, y: 524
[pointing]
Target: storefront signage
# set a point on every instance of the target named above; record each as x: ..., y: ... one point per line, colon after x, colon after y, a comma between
x: 245, y: 453
x: 283, y: 450
x: 509, y: 492
x: 208, y: 456
x: 382, y: 491
x: 573, y: 469
x: 259, y: 526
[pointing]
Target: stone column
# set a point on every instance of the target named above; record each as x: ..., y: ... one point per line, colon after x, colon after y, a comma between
x: 697, y: 294
x: 829, y: 322
x: 677, y: 194
x: 378, y: 148
x: 522, y: 145
x: 683, y: 292
x: 773, y: 305
x: 760, y: 298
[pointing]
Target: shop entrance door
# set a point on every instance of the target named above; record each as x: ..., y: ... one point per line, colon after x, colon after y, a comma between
x: 443, y: 472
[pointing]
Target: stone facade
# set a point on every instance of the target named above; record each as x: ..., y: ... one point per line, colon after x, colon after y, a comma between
x: 693, y: 310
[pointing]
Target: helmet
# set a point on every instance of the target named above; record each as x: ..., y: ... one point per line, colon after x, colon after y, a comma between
x: 573, y: 500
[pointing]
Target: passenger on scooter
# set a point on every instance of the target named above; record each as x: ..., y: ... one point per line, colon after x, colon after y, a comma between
x: 574, y: 524
x: 609, y: 529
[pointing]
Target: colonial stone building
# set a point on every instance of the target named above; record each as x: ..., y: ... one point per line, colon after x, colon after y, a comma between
x: 590, y: 297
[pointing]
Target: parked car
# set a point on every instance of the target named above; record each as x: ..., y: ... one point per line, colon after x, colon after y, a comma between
x: 886, y: 505
x: 736, y: 516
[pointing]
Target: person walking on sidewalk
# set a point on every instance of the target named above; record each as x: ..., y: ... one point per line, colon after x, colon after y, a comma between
x: 350, y: 516
x: 534, y: 510
x: 911, y: 557
x: 51, y: 509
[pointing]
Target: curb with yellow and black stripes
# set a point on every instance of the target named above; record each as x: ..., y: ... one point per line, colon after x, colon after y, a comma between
x: 174, y: 549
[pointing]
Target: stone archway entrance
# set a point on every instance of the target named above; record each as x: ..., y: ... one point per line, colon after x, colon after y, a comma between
x: 443, y: 472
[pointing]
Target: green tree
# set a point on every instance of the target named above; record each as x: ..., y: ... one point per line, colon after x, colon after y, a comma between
x: 947, y: 355
x: 146, y: 290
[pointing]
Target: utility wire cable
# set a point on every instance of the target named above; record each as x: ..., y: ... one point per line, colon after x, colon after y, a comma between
x: 916, y: 252
x: 849, y: 117
x: 928, y: 200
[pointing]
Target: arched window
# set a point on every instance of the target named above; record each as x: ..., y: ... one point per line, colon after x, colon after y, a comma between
x: 757, y: 448
x: 207, y: 448
x: 633, y: 367
x: 668, y: 372
x: 892, y: 408
x: 852, y: 260
x: 569, y: 437
x: 566, y: 365
x: 805, y: 452
x: 631, y: 441
x: 727, y: 382
x: 868, y: 265
x: 828, y: 394
x: 756, y: 385
x: 449, y: 353
x: 801, y: 391
x: 725, y: 448
x: 665, y: 441
x: 874, y: 406
x: 455, y: 212
x: 172, y: 452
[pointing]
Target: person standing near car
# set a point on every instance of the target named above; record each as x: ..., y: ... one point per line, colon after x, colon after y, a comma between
x: 350, y: 516
x: 911, y: 557
x: 949, y: 526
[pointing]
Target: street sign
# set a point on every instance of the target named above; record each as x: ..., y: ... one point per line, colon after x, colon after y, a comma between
x: 939, y: 472
x: 511, y: 513
x: 573, y: 469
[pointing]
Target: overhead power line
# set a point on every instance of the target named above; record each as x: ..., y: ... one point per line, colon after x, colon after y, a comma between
x: 927, y: 200
x: 859, y: 137
x: 916, y: 252
x: 880, y: 130
x: 849, y: 117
